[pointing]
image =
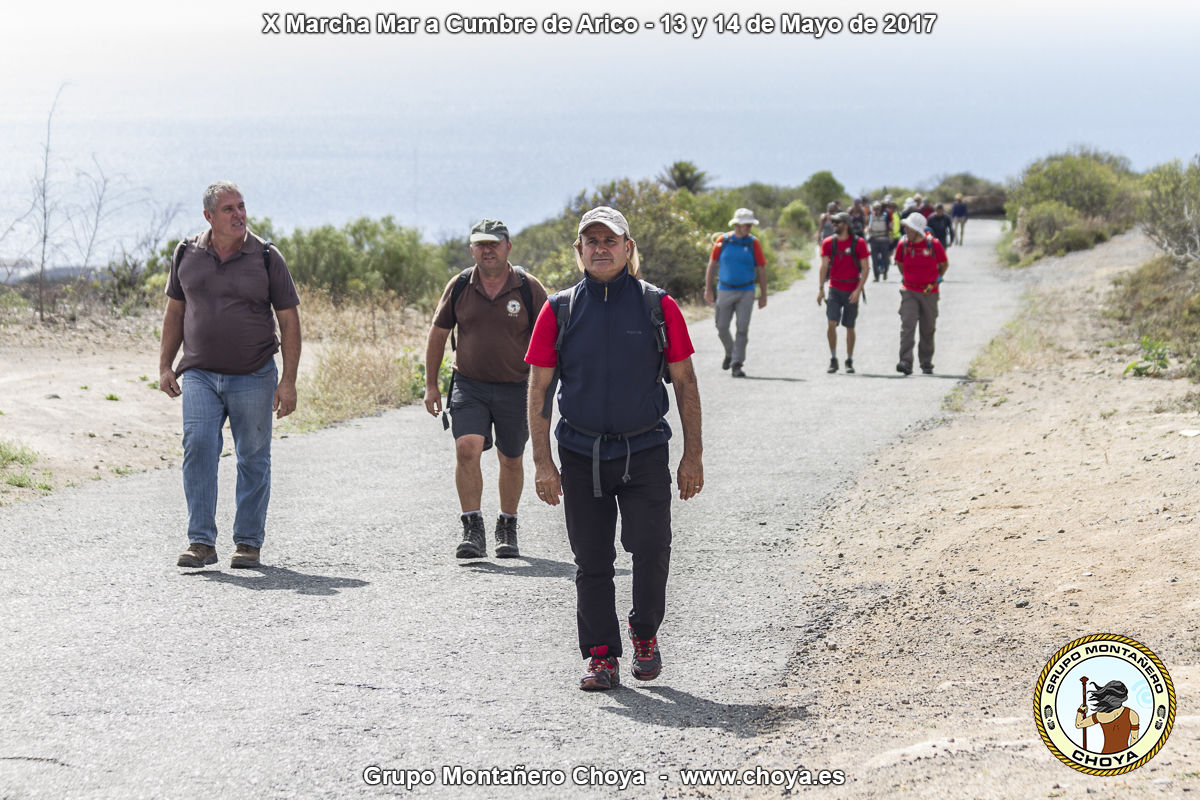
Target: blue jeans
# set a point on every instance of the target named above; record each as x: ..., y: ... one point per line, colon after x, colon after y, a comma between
x: 209, y: 398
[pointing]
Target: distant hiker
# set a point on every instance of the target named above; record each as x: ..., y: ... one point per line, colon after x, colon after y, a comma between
x: 1118, y: 723
x: 939, y: 225
x: 738, y: 265
x: 910, y: 208
x: 609, y: 340
x: 924, y: 206
x: 845, y: 265
x: 879, y: 237
x: 858, y: 216
x: 893, y: 213
x: 958, y: 213
x: 493, y: 306
x: 922, y: 261
x: 221, y: 288
x: 825, y: 223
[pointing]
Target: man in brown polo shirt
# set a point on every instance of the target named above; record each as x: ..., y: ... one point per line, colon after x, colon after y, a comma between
x: 221, y: 289
x: 494, y: 314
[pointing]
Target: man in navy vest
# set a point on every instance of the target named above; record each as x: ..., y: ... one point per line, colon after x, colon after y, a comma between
x: 612, y: 438
x: 739, y: 257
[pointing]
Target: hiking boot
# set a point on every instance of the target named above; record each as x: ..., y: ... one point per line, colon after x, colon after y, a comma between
x: 197, y: 556
x: 904, y: 367
x: 603, y: 672
x: 506, y: 537
x: 927, y: 370
x: 833, y: 366
x: 725, y: 364
x: 246, y: 557
x: 849, y: 366
x: 474, y: 541
x: 647, y: 661
x: 737, y: 371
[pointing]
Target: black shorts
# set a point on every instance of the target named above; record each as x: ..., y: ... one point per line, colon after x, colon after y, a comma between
x: 477, y: 407
x: 838, y: 308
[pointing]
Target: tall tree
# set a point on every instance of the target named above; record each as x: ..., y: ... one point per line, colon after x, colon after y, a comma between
x: 684, y: 175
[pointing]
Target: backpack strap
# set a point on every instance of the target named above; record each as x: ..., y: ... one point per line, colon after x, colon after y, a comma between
x: 562, y: 304
x: 653, y: 297
x: 180, y: 249
x: 460, y: 283
x: 526, y: 296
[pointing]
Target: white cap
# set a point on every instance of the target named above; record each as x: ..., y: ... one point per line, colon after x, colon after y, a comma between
x: 611, y: 218
x: 916, y: 221
x: 743, y: 216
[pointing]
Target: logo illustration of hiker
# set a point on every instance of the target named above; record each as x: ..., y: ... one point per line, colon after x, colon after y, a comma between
x: 1117, y: 725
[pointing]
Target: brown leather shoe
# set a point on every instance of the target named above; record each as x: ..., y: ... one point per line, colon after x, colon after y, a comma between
x: 246, y: 557
x: 197, y: 556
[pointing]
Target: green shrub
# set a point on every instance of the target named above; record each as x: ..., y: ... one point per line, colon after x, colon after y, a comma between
x: 1153, y: 360
x: 1171, y: 212
x: 796, y: 223
x: 1094, y: 184
x: 820, y: 189
x: 1161, y: 302
x: 711, y: 211
x: 674, y: 251
x: 1044, y: 222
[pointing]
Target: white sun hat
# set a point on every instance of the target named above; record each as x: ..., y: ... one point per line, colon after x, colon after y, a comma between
x: 743, y: 216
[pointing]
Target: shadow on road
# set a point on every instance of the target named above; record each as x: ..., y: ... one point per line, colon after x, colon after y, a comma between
x: 532, y: 568
x: 280, y: 578
x: 770, y: 378
x: 917, y: 376
x: 662, y: 705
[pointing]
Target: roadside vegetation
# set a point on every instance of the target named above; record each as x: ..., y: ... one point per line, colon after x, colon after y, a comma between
x: 368, y: 287
x: 1069, y: 201
x: 1159, y: 303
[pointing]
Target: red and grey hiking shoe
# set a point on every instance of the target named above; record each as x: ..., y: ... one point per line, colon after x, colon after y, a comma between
x: 602, y: 671
x: 647, y: 661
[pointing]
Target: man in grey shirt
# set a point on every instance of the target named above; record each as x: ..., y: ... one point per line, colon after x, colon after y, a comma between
x: 221, y: 289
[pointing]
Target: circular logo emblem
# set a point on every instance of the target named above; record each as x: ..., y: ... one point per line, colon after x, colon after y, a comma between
x: 514, y: 307
x: 1104, y: 704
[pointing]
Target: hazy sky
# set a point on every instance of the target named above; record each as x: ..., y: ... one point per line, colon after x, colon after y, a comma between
x: 996, y: 86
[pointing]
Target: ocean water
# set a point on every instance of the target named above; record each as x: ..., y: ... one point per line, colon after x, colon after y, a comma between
x: 441, y: 132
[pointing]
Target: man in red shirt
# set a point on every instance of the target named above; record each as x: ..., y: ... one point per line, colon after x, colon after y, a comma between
x: 845, y: 263
x: 923, y: 262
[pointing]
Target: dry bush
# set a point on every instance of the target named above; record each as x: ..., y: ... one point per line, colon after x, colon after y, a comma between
x: 354, y: 379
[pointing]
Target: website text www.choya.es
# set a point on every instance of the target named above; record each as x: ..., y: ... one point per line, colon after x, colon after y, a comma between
x: 589, y: 775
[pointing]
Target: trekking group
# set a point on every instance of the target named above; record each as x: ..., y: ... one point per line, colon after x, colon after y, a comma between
x: 604, y: 348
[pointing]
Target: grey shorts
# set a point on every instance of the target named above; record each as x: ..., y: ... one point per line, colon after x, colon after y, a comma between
x: 477, y: 407
x: 838, y: 307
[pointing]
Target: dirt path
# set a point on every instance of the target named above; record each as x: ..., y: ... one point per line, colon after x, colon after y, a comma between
x: 1060, y: 502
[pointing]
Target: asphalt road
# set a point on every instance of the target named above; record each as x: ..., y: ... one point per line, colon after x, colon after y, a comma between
x: 366, y: 643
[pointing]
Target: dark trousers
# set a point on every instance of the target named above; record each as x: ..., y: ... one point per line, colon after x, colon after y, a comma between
x: 645, y: 506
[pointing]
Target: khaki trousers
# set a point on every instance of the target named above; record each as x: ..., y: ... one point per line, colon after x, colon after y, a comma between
x: 917, y: 308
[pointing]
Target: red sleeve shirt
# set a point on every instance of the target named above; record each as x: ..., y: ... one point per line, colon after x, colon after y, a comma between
x: 921, y: 262
x: 545, y: 331
x: 844, y: 271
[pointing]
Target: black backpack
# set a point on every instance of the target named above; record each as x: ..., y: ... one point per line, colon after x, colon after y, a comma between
x: 460, y: 284
x: 564, y: 304
x: 183, y: 243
